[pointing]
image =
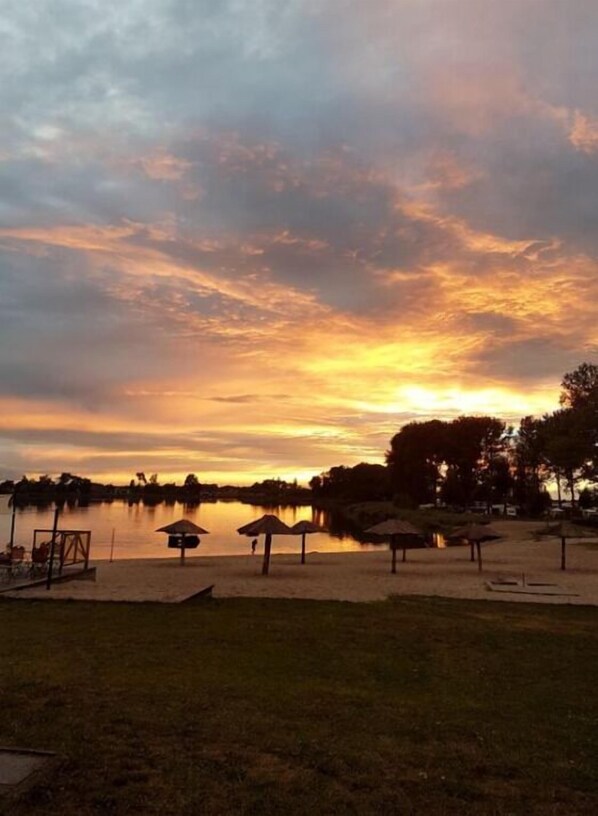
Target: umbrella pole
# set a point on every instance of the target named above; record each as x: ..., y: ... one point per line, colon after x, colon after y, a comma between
x: 393, y: 569
x: 303, y: 548
x: 479, y: 549
x: 267, y: 547
x: 183, y: 551
x: 471, y: 553
x: 563, y: 553
x: 404, y: 555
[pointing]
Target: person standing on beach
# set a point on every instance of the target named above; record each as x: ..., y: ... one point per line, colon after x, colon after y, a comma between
x: 253, y: 546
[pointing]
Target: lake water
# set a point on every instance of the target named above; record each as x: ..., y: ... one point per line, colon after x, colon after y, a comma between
x: 135, y: 537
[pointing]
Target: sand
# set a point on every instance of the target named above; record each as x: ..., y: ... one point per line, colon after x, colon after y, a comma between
x: 355, y: 576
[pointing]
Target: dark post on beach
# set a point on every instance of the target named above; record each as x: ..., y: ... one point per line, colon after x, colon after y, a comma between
x: 267, y: 548
x: 52, y: 547
x: 12, y: 523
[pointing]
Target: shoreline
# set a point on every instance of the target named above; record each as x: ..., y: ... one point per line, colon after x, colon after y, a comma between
x: 351, y: 575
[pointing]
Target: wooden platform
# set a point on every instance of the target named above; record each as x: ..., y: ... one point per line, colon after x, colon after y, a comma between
x: 531, y: 588
x: 73, y: 574
x: 21, y: 768
x: 202, y: 595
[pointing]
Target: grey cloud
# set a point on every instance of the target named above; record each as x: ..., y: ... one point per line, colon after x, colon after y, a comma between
x: 64, y: 337
x: 537, y: 358
x: 305, y: 119
x: 245, y: 451
x: 535, y: 186
x: 244, y: 399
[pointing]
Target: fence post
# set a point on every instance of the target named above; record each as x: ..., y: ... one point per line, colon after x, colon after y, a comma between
x: 52, y: 548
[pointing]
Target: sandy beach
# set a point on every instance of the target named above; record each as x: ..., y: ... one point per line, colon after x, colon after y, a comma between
x: 356, y: 576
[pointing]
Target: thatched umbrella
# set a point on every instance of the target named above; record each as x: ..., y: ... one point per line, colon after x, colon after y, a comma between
x: 476, y: 534
x: 565, y: 530
x: 268, y: 525
x: 403, y: 536
x: 183, y: 535
x: 304, y: 528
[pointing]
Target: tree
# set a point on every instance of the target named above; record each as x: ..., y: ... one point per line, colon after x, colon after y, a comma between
x: 414, y: 460
x: 451, y: 491
x: 588, y: 498
x: 472, y: 444
x: 363, y: 482
x: 499, y: 481
x: 191, y: 480
x: 529, y: 456
x: 567, y: 447
x: 580, y: 387
x: 315, y: 485
x: 141, y: 477
x: 580, y: 396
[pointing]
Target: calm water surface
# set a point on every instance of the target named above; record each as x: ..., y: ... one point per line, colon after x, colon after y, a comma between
x: 135, y: 537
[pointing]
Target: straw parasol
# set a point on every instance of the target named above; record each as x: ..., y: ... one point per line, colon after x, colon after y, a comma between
x: 476, y: 534
x: 182, y: 530
x: 403, y: 536
x: 268, y: 525
x: 565, y: 530
x: 304, y: 528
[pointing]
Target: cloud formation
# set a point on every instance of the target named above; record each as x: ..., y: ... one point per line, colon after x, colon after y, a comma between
x: 247, y: 239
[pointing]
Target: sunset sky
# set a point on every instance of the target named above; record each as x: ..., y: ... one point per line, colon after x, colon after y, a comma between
x: 252, y: 238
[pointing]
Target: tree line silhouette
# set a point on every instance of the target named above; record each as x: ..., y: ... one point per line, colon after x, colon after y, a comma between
x: 482, y: 459
x: 454, y: 462
x: 77, y: 490
x: 69, y: 488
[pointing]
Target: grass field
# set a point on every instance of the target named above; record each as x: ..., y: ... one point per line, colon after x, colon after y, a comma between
x: 294, y: 707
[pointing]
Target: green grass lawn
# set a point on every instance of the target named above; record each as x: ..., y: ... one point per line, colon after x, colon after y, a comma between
x: 412, y: 706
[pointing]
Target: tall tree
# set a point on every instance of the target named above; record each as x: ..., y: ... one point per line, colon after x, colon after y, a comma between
x: 363, y: 482
x: 529, y: 457
x: 473, y: 443
x: 567, y: 449
x: 579, y: 395
x: 415, y: 458
x: 580, y: 387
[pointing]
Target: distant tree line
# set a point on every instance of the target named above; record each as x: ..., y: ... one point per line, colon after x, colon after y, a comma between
x: 269, y: 491
x: 481, y: 459
x: 71, y: 489
x: 67, y: 488
x: 151, y: 491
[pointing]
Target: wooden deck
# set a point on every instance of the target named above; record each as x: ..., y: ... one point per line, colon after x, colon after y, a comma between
x: 68, y: 574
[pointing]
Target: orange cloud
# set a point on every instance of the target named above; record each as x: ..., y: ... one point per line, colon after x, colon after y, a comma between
x: 584, y: 133
x: 164, y: 166
x: 345, y: 379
